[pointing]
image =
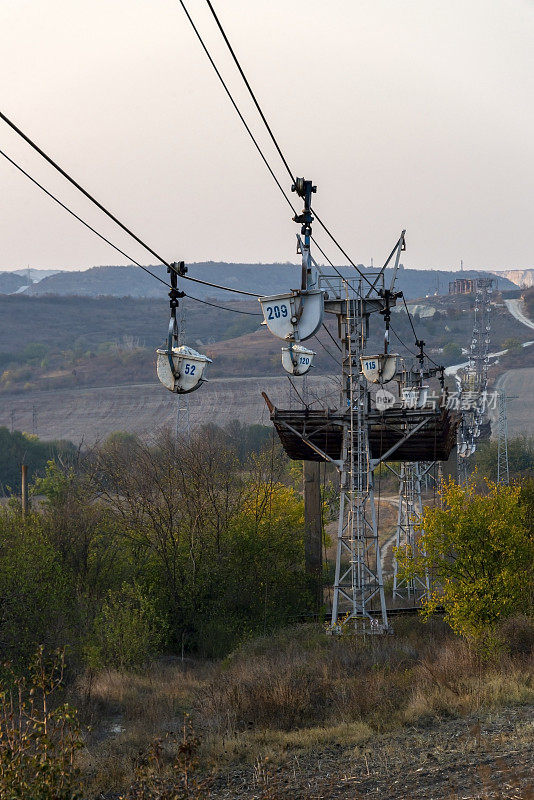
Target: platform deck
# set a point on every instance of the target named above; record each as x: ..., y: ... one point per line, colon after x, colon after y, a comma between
x: 323, y: 428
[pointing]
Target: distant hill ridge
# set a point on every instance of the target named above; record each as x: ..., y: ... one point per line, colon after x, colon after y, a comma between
x: 130, y: 281
x: 521, y: 277
x: 14, y: 280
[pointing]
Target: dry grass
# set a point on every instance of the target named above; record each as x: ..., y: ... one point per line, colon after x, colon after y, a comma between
x: 159, y: 693
x: 299, y: 691
x: 124, y: 713
x: 456, y: 681
x: 277, y: 746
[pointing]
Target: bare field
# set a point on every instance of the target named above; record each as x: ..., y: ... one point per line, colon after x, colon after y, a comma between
x: 90, y: 415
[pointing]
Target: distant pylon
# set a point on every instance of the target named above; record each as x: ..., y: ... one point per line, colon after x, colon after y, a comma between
x: 503, y: 469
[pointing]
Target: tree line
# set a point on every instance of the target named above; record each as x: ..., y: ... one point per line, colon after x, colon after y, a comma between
x: 135, y: 548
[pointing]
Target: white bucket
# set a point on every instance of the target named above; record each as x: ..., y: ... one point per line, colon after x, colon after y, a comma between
x: 415, y: 396
x: 189, y: 369
x: 297, y: 360
x: 294, y: 315
x: 380, y: 368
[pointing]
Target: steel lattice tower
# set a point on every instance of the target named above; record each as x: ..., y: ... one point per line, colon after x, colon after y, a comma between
x: 462, y: 469
x: 358, y: 585
x: 473, y: 381
x: 409, y: 517
x: 503, y: 470
x: 479, y: 349
x: 411, y: 477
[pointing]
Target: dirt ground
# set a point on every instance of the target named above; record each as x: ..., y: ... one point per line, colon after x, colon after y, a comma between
x: 475, y: 758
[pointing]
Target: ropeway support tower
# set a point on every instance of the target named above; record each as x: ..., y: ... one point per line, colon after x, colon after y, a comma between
x: 358, y: 584
x: 503, y: 468
x: 362, y: 432
x: 472, y: 382
x: 409, y: 517
x: 411, y: 476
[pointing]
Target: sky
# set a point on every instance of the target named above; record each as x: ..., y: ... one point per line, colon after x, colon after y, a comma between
x: 413, y: 114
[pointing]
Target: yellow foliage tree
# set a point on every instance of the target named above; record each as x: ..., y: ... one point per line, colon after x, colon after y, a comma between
x: 479, y: 551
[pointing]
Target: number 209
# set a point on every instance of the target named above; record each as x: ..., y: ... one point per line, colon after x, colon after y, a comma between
x: 275, y: 312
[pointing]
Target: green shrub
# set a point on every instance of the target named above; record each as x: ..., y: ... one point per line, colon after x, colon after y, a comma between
x: 38, y: 598
x: 38, y: 738
x: 128, y: 632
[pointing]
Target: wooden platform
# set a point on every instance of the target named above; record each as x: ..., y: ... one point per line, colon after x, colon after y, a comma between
x: 300, y: 430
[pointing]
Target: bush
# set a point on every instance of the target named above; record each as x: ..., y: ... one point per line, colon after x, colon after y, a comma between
x: 511, y: 344
x: 517, y: 635
x: 520, y: 457
x: 17, y: 448
x: 479, y: 550
x: 38, y: 596
x: 301, y: 677
x: 128, y: 632
x: 38, y: 738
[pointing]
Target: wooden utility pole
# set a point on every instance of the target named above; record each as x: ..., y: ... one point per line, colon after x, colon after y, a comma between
x: 313, y: 529
x: 24, y: 489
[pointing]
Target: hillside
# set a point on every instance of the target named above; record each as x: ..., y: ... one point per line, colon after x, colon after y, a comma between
x: 61, y: 323
x: 257, y: 278
x: 521, y: 277
x: 90, y: 369
x: 75, y: 342
x: 9, y: 282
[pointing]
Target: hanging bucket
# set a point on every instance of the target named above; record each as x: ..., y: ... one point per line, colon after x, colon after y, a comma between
x: 462, y: 449
x: 186, y: 373
x: 415, y: 396
x: 380, y: 368
x: 296, y: 359
x: 294, y: 315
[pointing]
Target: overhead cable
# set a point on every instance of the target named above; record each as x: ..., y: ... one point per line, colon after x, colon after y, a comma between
x: 73, y: 214
x: 268, y: 127
x: 396, y: 335
x: 410, y: 318
x: 233, y: 102
x: 247, y: 127
x: 110, y: 243
x: 340, y: 248
x: 218, y: 286
x: 253, y: 96
x: 224, y: 308
x: 328, y: 332
x: 103, y: 208
x: 79, y: 187
x: 332, y: 356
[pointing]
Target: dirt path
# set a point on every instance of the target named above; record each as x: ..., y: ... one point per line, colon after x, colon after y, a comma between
x: 515, y: 309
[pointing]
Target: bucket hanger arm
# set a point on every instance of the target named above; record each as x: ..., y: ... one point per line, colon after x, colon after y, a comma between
x: 175, y: 269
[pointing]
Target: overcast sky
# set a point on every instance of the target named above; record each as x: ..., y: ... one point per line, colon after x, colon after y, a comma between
x: 406, y: 113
